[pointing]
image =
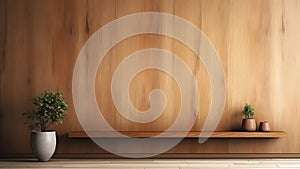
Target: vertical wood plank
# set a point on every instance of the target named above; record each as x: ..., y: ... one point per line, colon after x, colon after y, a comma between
x: 257, y: 42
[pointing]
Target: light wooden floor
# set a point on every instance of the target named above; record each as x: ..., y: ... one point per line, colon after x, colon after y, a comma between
x: 152, y: 164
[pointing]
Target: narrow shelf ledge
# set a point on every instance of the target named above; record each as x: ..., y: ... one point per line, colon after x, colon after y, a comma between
x: 191, y: 134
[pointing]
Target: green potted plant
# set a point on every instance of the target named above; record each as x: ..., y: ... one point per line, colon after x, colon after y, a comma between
x: 50, y: 109
x: 248, y: 123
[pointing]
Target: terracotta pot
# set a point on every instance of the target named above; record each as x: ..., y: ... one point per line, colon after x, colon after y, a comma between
x: 264, y: 126
x: 249, y: 125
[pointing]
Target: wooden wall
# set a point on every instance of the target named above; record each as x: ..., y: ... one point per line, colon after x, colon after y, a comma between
x: 258, y: 43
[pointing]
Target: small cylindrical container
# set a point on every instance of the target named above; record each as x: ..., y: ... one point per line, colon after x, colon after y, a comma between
x: 264, y: 126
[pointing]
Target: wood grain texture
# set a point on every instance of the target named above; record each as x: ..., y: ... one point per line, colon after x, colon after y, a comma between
x: 144, y: 82
x: 257, y: 42
x: 152, y: 163
x: 191, y: 134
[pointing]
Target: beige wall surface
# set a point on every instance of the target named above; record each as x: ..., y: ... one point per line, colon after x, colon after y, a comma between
x: 257, y: 41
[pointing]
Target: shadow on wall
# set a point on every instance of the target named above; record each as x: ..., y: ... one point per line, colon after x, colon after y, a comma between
x: 0, y: 109
x: 236, y: 121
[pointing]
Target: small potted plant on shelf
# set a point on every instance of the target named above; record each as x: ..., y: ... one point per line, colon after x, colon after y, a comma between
x: 50, y: 109
x: 248, y: 123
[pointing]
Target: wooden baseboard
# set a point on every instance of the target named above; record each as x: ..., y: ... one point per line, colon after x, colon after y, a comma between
x: 161, y: 156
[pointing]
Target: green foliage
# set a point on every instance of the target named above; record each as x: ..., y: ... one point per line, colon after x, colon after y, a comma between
x: 50, y: 109
x: 248, y: 111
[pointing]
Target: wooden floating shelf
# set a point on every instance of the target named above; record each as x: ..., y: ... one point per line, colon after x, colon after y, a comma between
x: 191, y: 134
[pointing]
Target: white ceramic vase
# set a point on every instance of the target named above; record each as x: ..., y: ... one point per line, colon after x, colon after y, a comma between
x: 43, y: 144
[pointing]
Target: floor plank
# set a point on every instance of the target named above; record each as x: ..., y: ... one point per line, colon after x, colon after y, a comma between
x: 151, y: 163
